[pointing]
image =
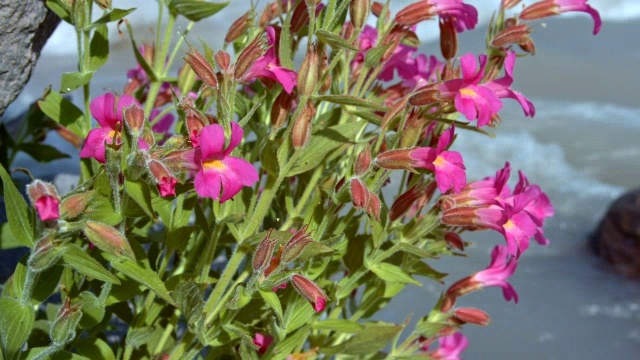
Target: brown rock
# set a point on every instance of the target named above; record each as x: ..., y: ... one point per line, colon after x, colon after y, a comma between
x: 617, y: 238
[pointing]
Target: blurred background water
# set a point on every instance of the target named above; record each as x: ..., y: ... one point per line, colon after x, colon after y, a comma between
x: 582, y: 148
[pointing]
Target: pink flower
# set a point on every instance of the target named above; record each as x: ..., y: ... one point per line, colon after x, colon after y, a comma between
x: 539, y: 208
x: 366, y: 40
x: 162, y: 125
x: 447, y: 166
x: 268, y: 66
x: 262, y: 342
x: 489, y: 191
x: 107, y: 110
x: 450, y: 347
x: 502, y: 266
x: 465, y: 16
x: 221, y: 176
x: 415, y: 71
x: 547, y: 8
x: 501, y: 87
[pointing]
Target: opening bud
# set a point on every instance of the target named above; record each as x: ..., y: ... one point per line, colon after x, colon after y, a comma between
x: 471, y: 316
x: 163, y: 177
x: 74, y: 205
x: 308, y: 74
x: 517, y: 34
x: 45, y: 199
x: 310, y: 291
x: 202, y: 68
x: 301, y: 131
x: 296, y: 245
x: 248, y: 56
x: 262, y: 256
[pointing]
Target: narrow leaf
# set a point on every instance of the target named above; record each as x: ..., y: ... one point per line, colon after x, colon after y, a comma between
x: 18, y: 214
x: 389, y: 272
x: 335, y: 40
x: 350, y: 100
x: 99, y: 48
x: 340, y: 325
x: 111, y: 16
x: 141, y: 275
x: 196, y: 10
x: 272, y: 300
x: 83, y: 263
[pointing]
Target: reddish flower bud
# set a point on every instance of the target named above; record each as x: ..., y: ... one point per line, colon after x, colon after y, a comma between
x: 528, y: 46
x: 194, y: 123
x: 359, y: 193
x: 393, y: 112
x: 248, y: 56
x: 262, y: 342
x: 300, y: 16
x: 363, y: 162
x: 45, y: 199
x: 308, y: 74
x: 359, y: 12
x: 376, y: 8
x: 296, y: 245
x: 448, y: 37
x: 339, y: 184
x: 301, y: 131
x: 517, y: 34
x: 426, y: 95
x: 474, y: 217
x: 471, y: 316
x: 163, y: 177
x: 108, y: 239
x: 310, y: 291
x: 63, y: 329
x: 237, y: 28
x: 280, y: 110
x: 223, y: 60
x: 324, y: 70
x: 134, y: 118
x: 68, y: 135
x: 454, y: 240
x: 414, y: 13
x: 447, y: 303
x: 202, y: 68
x: 395, y: 160
x: 404, y: 202
x: 74, y: 205
x: 103, y: 4
x: 509, y: 4
x: 263, y: 254
x: 374, y: 206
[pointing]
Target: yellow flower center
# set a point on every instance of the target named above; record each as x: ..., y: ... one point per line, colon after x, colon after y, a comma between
x: 214, y: 164
x: 468, y: 92
x: 509, y: 225
x: 439, y: 161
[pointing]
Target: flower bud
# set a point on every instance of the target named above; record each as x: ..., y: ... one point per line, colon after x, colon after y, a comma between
x: 280, y: 110
x: 248, y: 56
x: 108, y: 239
x: 202, y: 68
x: 263, y: 254
x: 237, y: 28
x: 45, y: 199
x: 359, y: 12
x: 308, y: 74
x: 454, y: 240
x: 425, y: 95
x: 134, y: 118
x: 447, y: 302
x: 404, y: 202
x: 223, y: 60
x: 376, y: 8
x: 539, y: 10
x: 300, y: 17
x: 296, y: 245
x: 324, y: 69
x: 363, y: 162
x: 393, y: 112
x: 195, y: 124
x: 395, y: 160
x: 310, y: 291
x: 448, y: 37
x: 509, y: 4
x: 63, y: 329
x: 103, y: 4
x: 517, y: 34
x: 414, y: 13
x: 45, y: 254
x: 528, y: 46
x: 374, y: 206
x: 74, y: 205
x: 68, y: 135
x: 301, y: 131
x: 359, y: 193
x: 163, y: 177
x: 471, y: 316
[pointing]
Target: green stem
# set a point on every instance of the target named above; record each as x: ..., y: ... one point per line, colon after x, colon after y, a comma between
x: 27, y: 288
x: 209, y: 252
x: 302, y: 201
x: 227, y: 275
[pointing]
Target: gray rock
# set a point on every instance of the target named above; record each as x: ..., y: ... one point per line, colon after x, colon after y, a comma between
x: 25, y: 26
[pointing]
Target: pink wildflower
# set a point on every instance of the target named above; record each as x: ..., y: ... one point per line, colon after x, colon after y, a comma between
x: 546, y: 8
x: 218, y: 171
x: 447, y: 166
x: 268, y: 66
x: 450, y: 347
x: 107, y: 110
x: 502, y: 266
x: 501, y: 87
x: 489, y: 191
x: 262, y: 342
x: 465, y: 16
x: 45, y: 199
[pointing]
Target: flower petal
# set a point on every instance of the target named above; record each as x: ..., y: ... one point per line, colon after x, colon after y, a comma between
x: 94, y: 144
x: 103, y: 110
x: 211, y: 141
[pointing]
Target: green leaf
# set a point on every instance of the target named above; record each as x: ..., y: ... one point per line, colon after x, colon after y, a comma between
x: 63, y: 111
x: 291, y: 343
x: 374, y: 56
x: 111, y: 16
x: 83, y: 263
x: 350, y: 100
x: 59, y: 10
x: 7, y: 239
x: 366, y: 115
x: 189, y: 297
x: 284, y: 48
x: 139, y: 336
x: 16, y: 322
x: 42, y: 153
x: 272, y: 300
x: 94, y: 348
x: 139, y: 191
x: 392, y: 273
x: 73, y: 80
x: 335, y: 40
x: 99, y: 48
x: 92, y: 309
x: 340, y: 325
x: 101, y: 209
x: 297, y: 314
x: 323, y: 143
x: 244, y: 334
x: 371, y: 339
x: 141, y: 275
x: 196, y: 10
x: 18, y: 214
x: 58, y: 355
x: 143, y: 63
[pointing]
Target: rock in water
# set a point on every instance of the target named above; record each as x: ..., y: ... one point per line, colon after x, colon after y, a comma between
x: 25, y: 26
x: 617, y: 238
